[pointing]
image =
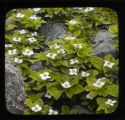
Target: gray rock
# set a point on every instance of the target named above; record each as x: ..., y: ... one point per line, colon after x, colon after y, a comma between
x: 81, y: 109
x: 14, y: 88
x: 52, y: 30
x: 37, y: 66
x: 103, y: 45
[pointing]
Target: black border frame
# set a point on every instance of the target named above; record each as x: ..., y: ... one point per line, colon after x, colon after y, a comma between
x: 117, y: 5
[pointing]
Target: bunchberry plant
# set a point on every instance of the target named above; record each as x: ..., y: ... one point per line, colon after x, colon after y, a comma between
x: 71, y: 73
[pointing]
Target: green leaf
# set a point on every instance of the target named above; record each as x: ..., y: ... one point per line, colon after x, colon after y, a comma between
x: 55, y: 90
x: 76, y: 89
x: 112, y: 90
x: 97, y: 62
x: 113, y: 29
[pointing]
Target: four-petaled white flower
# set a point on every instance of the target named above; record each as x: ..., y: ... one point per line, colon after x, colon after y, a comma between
x: 44, y: 76
x: 70, y: 38
x: 66, y: 84
x: 32, y: 39
x: 28, y: 52
x: 73, y: 61
x: 47, y: 95
x: 22, y: 31
x: 108, y: 64
x: 36, y: 108
x: 52, y: 112
x: 56, y: 46
x: 88, y: 96
x: 8, y: 45
x: 88, y: 9
x: 36, y: 9
x: 18, y: 39
x: 78, y: 45
x: 85, y: 74
x: 34, y: 34
x: 99, y: 79
x: 51, y: 55
x: 111, y: 102
x: 61, y: 51
x: 73, y: 22
x: 33, y: 17
x: 73, y: 71
x: 99, y: 83
x: 78, y: 8
x: 12, y: 52
x: 20, y: 15
x: 17, y: 60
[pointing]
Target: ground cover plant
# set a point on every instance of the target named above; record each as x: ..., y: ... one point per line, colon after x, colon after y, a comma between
x: 71, y: 74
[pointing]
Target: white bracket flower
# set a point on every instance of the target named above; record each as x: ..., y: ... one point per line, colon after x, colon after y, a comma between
x: 36, y: 9
x: 32, y: 39
x: 88, y: 9
x: 33, y: 17
x: 47, y: 95
x: 61, y: 51
x: 8, y: 45
x: 78, y: 45
x: 108, y: 64
x: 110, y: 102
x: 12, y: 52
x: 20, y: 15
x: 56, y: 46
x: 85, y: 74
x: 34, y: 33
x: 70, y: 38
x: 45, y: 76
x: 36, y: 108
x: 22, y: 32
x: 28, y: 52
x: 98, y: 83
x: 51, y: 55
x: 17, y: 60
x: 73, y: 71
x: 73, y: 22
x: 52, y: 112
x: 18, y: 39
x: 73, y: 61
x: 66, y: 84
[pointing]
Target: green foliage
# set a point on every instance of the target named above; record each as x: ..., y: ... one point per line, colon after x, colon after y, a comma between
x: 62, y: 82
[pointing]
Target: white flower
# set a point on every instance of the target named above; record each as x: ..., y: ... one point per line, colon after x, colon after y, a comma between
x: 36, y: 9
x: 18, y: 39
x: 98, y: 83
x: 45, y: 76
x: 20, y: 15
x: 85, y: 74
x: 66, y: 84
x: 73, y: 21
x: 33, y: 17
x: 78, y: 8
x: 99, y: 79
x: 110, y: 102
x: 28, y: 52
x: 32, y: 39
x: 22, y: 31
x: 47, y: 95
x: 70, y: 38
x: 108, y: 64
x: 56, y: 46
x: 89, y: 9
x: 61, y: 51
x: 52, y: 112
x: 78, y: 45
x: 88, y: 96
x: 34, y: 34
x: 8, y: 45
x: 73, y: 71
x: 36, y: 108
x: 73, y: 61
x: 51, y: 55
x: 12, y: 52
x: 17, y: 60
